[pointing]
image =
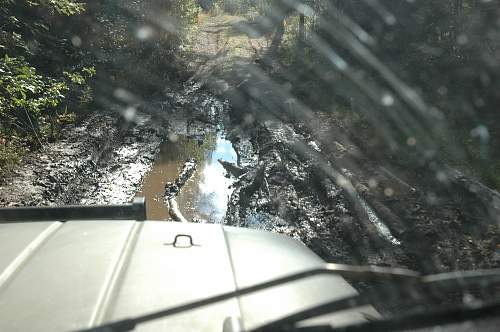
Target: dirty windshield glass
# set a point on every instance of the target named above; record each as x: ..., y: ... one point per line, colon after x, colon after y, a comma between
x: 366, y: 129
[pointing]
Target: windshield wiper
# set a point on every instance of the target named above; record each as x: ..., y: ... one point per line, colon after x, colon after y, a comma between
x: 441, y: 281
x: 452, y: 280
x: 417, y: 320
x: 360, y: 273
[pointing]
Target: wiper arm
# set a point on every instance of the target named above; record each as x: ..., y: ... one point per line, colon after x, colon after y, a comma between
x: 419, y: 320
x: 287, y: 323
x: 452, y: 280
x: 443, y: 281
x: 361, y: 273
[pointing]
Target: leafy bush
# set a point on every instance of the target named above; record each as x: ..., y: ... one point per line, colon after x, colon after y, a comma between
x: 37, y: 92
x: 33, y: 106
x: 9, y: 156
x: 238, y: 6
x: 49, y: 50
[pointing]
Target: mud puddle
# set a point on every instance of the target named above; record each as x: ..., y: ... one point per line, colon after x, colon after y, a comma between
x: 205, y: 196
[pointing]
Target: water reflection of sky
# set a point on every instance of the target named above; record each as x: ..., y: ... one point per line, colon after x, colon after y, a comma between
x: 213, y: 186
x: 206, y: 194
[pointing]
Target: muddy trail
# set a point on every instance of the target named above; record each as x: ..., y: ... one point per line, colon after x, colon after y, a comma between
x: 307, y: 173
x: 266, y: 162
x: 114, y: 155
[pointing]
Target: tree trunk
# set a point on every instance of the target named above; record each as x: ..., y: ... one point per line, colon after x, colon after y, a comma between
x: 278, y: 37
x: 302, y: 31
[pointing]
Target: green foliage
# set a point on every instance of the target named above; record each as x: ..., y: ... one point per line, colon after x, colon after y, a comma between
x: 491, y: 176
x: 234, y: 6
x: 186, y: 11
x: 37, y: 92
x: 244, y: 7
x: 31, y: 105
x: 64, y: 7
x: 51, y: 49
x: 9, y: 156
x: 135, y: 45
x: 60, y: 44
x: 80, y: 78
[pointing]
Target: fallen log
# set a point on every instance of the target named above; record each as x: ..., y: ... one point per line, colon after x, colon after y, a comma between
x: 173, y: 210
x: 489, y: 198
x: 172, y: 189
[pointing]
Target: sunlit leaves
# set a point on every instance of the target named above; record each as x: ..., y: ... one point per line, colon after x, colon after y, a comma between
x: 80, y: 78
x: 62, y: 7
x: 29, y: 101
x: 34, y: 102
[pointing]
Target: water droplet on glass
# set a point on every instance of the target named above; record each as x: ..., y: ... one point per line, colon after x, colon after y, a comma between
x: 173, y: 137
x: 248, y: 119
x: 442, y: 90
x: 462, y: 39
x: 481, y: 132
x: 441, y: 176
x: 387, y: 100
x: 306, y: 10
x: 129, y: 114
x: 432, y: 198
x: 76, y: 41
x: 389, y: 192
x: 123, y: 95
x: 411, y: 141
x: 372, y: 183
x: 468, y: 298
x: 390, y: 20
x: 479, y: 102
x: 287, y: 86
x: 144, y: 33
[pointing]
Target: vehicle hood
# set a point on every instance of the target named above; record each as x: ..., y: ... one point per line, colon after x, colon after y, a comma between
x: 59, y: 276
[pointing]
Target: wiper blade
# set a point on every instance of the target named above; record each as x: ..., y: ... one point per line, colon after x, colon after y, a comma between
x: 419, y: 320
x: 442, y: 281
x: 360, y: 273
x: 463, y: 279
x: 287, y: 323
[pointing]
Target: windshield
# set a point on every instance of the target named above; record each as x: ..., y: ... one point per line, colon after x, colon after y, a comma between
x: 366, y: 129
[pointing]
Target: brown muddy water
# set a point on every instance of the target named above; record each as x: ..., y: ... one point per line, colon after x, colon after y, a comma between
x: 206, y: 194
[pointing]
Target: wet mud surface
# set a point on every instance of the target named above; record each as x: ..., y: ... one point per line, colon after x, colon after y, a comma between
x: 111, y: 156
x: 99, y: 160
x: 361, y: 217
